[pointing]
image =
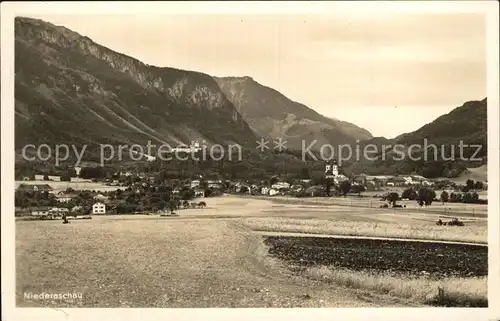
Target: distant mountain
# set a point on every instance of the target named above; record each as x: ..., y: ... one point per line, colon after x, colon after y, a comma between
x: 467, y: 124
x: 71, y: 90
x: 272, y: 115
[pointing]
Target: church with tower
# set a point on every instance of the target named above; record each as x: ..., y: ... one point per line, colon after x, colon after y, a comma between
x: 331, y: 169
x: 332, y: 172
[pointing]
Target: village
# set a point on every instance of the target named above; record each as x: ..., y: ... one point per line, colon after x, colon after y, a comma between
x: 139, y: 193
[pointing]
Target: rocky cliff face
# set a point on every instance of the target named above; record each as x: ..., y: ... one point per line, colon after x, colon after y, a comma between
x: 270, y: 114
x: 71, y: 90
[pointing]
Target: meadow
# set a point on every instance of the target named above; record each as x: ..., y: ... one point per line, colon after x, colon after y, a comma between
x: 217, y: 257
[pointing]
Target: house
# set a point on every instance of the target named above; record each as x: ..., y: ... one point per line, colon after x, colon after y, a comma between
x: 99, y: 208
x: 398, y: 181
x: 273, y: 192
x: 34, y: 188
x: 427, y: 183
x: 215, y: 184
x: 379, y: 180
x: 40, y: 211
x: 195, y: 183
x: 340, y: 178
x: 101, y: 198
x: 198, y: 192
x: 370, y: 186
x: 280, y: 185
x: 360, y: 179
x: 418, y: 178
x: 265, y: 190
x: 76, y: 209
x: 63, y: 197
x: 58, y: 211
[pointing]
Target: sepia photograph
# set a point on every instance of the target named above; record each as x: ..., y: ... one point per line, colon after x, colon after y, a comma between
x: 251, y: 159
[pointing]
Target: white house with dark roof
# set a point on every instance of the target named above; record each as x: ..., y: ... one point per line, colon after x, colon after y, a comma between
x: 99, y: 208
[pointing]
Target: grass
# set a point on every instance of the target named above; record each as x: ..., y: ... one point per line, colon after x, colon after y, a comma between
x: 458, y: 209
x: 472, y: 233
x: 449, y: 292
x: 162, y: 263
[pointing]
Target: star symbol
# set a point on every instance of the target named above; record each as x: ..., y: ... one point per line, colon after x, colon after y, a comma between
x: 262, y: 144
x: 280, y: 144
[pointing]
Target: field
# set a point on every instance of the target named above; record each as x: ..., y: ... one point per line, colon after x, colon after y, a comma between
x: 74, y: 184
x: 221, y: 256
x: 476, y: 174
x: 454, y: 209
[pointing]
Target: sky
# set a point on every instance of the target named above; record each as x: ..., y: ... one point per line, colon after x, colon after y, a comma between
x: 389, y: 73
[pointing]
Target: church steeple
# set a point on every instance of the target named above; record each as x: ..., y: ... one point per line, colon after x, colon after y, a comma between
x: 331, y: 169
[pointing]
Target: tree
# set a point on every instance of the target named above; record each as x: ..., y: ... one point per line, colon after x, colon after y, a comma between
x: 187, y: 194
x: 65, y: 178
x: 358, y: 189
x: 426, y: 195
x: 304, y: 173
x: 479, y: 185
x: 469, y: 184
x: 455, y: 197
x: 46, y: 177
x: 445, y: 197
x: 392, y: 198
x: 203, y: 184
x: 345, y: 187
x: 467, y: 198
x: 409, y: 193
x: 172, y: 206
x: 475, y: 197
x: 328, y: 186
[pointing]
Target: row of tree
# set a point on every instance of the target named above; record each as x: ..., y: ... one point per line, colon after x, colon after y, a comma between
x: 426, y: 193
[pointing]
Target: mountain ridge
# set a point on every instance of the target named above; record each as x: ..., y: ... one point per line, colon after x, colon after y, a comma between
x: 131, y: 101
x: 272, y: 114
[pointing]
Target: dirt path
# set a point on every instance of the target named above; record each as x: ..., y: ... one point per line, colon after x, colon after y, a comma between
x: 165, y: 263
